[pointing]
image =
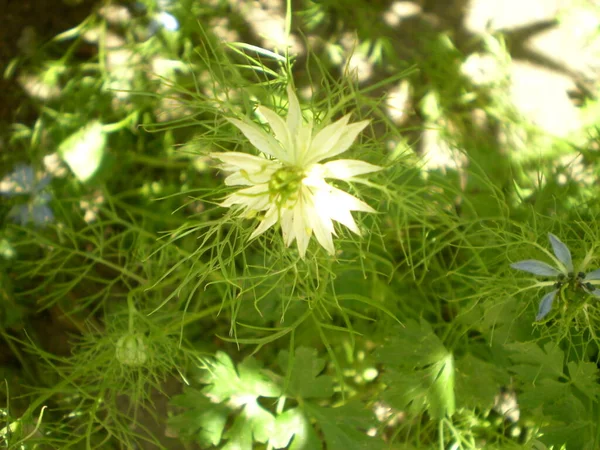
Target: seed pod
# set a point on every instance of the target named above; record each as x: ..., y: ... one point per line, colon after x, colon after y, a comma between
x: 131, y: 350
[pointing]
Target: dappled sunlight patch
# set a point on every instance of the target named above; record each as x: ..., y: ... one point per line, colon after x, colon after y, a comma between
x: 83, y: 151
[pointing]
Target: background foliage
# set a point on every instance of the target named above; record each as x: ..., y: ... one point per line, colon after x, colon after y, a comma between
x: 135, y: 313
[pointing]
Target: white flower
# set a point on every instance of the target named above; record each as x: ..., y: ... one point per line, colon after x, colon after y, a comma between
x: 287, y: 181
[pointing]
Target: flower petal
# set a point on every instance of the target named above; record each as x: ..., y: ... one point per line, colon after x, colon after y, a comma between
x: 338, y: 142
x: 41, y: 214
x: 294, y: 115
x: 239, y: 160
x: 594, y: 275
x: 254, y: 198
x: 536, y: 267
x: 337, y: 205
x: 345, y: 169
x: 20, y: 181
x: 326, y: 139
x: 247, y: 169
x: 268, y: 221
x: 561, y: 251
x: 302, y: 144
x: 278, y: 125
x: 302, y: 229
x: 546, y: 305
x: 321, y: 225
x: 287, y: 226
x: 260, y: 139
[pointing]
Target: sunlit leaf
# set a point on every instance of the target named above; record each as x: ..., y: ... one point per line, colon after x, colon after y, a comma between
x: 84, y: 150
x: 294, y: 426
x: 253, y: 423
x: 202, y: 420
x: 224, y: 381
x: 231, y: 392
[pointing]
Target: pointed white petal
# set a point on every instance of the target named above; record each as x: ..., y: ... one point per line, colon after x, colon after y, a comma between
x: 247, y: 169
x: 302, y: 229
x: 344, y: 217
x: 302, y: 144
x: 343, y: 200
x: 322, y: 226
x: 561, y: 251
x: 260, y: 139
x: 345, y: 169
x: 337, y: 204
x: 342, y: 142
x: 269, y: 220
x: 241, y: 160
x: 294, y: 115
x: 536, y: 267
x: 287, y: 226
x: 238, y: 179
x: 253, y: 198
x: 278, y: 125
x: 326, y: 139
x: 243, y: 178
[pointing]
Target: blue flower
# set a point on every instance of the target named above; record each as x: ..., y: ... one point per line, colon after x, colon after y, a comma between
x: 23, y: 181
x: 563, y: 271
x: 163, y: 20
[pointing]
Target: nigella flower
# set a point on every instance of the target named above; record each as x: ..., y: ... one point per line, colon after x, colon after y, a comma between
x: 287, y: 182
x: 564, y: 273
x: 23, y: 182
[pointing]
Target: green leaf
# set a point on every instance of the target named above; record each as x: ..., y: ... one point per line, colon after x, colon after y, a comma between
x: 203, y: 420
x: 304, y: 381
x: 548, y: 392
x: 345, y: 427
x: 574, y: 434
x: 441, y: 388
x: 294, y: 426
x: 254, y: 423
x: 584, y: 375
x: 424, y: 372
x: 231, y: 391
x: 248, y: 381
x: 532, y: 363
x: 83, y: 151
x: 414, y: 345
x: 405, y: 391
x: 542, y: 394
x: 477, y: 382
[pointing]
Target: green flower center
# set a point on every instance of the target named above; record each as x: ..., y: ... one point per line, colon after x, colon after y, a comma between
x: 285, y: 184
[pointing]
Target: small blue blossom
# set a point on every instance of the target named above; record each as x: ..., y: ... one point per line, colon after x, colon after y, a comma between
x: 163, y: 20
x: 563, y: 271
x: 168, y: 21
x: 23, y: 181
